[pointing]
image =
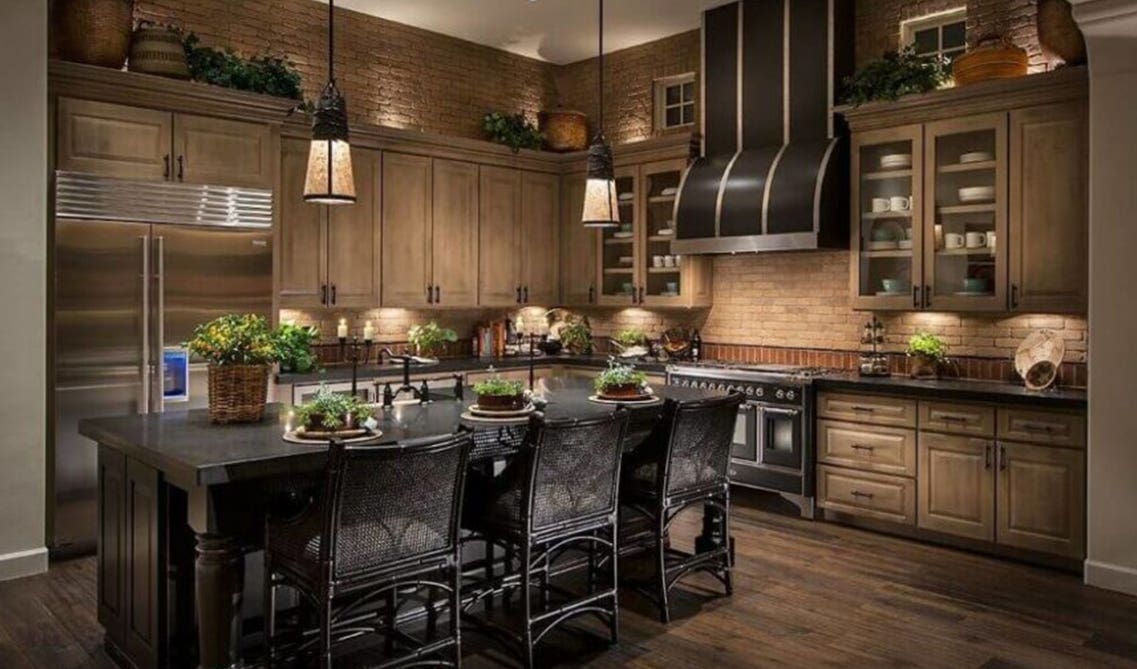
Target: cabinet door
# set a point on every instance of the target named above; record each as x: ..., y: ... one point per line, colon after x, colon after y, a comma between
x: 887, y: 235
x: 659, y: 272
x: 540, y: 223
x: 499, y: 224
x: 406, y: 230
x: 1042, y: 499
x: 455, y: 234
x: 226, y: 153
x: 353, y: 239
x: 1049, y: 237
x: 955, y: 486
x: 111, y: 562
x: 113, y: 140
x: 303, y: 244
x: 145, y: 555
x: 965, y: 214
x: 620, y: 251
x: 578, y: 246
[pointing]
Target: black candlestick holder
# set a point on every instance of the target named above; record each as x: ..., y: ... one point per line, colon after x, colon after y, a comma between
x: 357, y: 354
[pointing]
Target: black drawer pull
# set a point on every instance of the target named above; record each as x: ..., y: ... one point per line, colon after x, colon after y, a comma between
x: 858, y: 493
x: 863, y: 447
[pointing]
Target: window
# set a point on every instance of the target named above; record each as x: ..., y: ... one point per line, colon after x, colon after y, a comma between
x: 942, y: 33
x: 675, y: 102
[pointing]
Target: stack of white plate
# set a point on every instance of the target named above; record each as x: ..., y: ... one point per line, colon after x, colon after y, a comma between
x: 972, y: 194
x: 896, y: 161
x: 976, y: 157
x: 626, y: 197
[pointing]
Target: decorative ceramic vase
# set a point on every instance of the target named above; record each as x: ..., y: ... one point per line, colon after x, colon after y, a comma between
x: 1058, y: 33
x: 564, y: 130
x: 923, y: 367
x: 158, y: 51
x: 237, y: 393
x: 94, y: 32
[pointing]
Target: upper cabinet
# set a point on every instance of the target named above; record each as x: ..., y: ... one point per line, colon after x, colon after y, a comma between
x: 578, y: 246
x: 518, y: 228
x: 135, y: 143
x: 454, y: 238
x: 539, y: 238
x: 981, y: 207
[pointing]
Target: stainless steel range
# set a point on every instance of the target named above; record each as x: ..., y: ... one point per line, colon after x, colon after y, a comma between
x: 773, y: 438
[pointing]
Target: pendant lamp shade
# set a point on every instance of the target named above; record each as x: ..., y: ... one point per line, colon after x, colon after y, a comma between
x: 601, y: 204
x: 330, y: 179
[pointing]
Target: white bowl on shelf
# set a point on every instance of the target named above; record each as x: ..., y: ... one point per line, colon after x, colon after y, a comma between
x: 896, y: 161
x: 976, y: 157
x: 971, y: 194
x: 668, y: 192
x: 626, y: 197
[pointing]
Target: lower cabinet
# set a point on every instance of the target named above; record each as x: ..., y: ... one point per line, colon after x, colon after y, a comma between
x: 956, y: 485
x: 861, y: 493
x: 1041, y: 499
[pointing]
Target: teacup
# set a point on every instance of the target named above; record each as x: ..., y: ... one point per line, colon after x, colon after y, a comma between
x: 880, y: 204
x: 991, y: 240
x: 657, y: 261
x: 953, y: 240
x: 669, y: 261
x: 900, y: 203
x: 976, y: 240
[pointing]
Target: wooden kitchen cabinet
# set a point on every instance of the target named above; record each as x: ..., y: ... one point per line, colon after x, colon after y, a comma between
x: 407, y: 216
x: 956, y: 485
x: 539, y: 238
x: 499, y: 224
x: 222, y: 152
x: 454, y: 233
x: 322, y: 267
x: 113, y: 140
x: 1049, y: 218
x: 1042, y: 499
x: 578, y: 246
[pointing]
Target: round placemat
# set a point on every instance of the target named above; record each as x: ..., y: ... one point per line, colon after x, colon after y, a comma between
x: 368, y: 435
x: 639, y: 401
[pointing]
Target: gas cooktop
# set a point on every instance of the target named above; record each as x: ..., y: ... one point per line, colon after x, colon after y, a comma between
x: 798, y: 371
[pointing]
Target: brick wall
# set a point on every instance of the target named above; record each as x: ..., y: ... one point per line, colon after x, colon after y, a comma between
x: 392, y: 74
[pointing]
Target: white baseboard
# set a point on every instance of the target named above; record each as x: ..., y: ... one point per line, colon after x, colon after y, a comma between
x: 1111, y: 577
x: 23, y: 563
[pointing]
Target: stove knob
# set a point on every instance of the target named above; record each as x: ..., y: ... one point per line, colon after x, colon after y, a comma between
x: 749, y: 390
x: 722, y: 387
x: 759, y: 391
x: 790, y: 395
x: 781, y: 394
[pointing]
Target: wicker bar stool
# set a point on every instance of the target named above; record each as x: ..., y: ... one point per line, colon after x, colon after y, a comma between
x: 684, y: 463
x: 386, y: 523
x: 559, y: 494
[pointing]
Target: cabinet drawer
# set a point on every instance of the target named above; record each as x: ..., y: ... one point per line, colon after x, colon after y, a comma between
x: 1043, y: 427
x: 875, y: 409
x: 883, y: 449
x: 880, y: 496
x: 968, y: 419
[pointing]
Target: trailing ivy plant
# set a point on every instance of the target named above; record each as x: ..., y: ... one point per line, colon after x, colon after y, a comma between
x: 265, y: 74
x: 896, y: 74
x: 513, y: 130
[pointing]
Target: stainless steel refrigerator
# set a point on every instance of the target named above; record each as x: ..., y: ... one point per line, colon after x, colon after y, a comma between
x: 137, y: 266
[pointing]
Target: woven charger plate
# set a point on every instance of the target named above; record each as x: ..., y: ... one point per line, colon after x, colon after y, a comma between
x: 1038, y: 358
x: 299, y: 436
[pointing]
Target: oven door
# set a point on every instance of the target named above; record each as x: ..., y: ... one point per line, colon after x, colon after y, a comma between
x: 781, y: 437
x: 745, y: 446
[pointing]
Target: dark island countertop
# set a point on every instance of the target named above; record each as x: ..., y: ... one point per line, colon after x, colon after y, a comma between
x: 966, y: 390
x: 191, y: 451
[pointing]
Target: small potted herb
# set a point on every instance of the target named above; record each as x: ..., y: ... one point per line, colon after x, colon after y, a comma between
x: 577, y: 338
x: 296, y: 354
x: 621, y: 381
x: 926, y: 352
x: 498, y: 394
x: 332, y: 412
x: 630, y: 343
x: 430, y: 339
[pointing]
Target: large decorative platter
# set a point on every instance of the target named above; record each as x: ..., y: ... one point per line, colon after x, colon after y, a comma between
x: 641, y: 399
x: 496, y: 419
x: 509, y: 413
x: 302, y: 436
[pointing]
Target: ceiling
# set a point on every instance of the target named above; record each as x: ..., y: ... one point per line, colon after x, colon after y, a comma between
x: 557, y: 31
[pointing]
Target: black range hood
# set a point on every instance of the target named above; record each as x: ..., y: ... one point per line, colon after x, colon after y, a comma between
x: 774, y: 173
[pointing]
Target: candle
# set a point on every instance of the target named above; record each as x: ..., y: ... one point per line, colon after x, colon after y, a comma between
x: 341, y: 331
x: 368, y: 332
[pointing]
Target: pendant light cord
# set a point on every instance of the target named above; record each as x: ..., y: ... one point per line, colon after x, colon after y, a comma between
x: 600, y: 118
x: 332, y: 41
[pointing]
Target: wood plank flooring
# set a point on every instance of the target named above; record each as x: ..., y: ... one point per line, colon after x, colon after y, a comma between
x: 807, y: 594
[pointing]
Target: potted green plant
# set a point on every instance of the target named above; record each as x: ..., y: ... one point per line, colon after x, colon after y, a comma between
x: 630, y: 343
x: 295, y: 347
x: 428, y: 340
x: 620, y: 381
x: 926, y: 352
x: 498, y: 394
x: 577, y: 338
x: 332, y: 412
x: 896, y: 74
x: 513, y: 130
x: 239, y: 350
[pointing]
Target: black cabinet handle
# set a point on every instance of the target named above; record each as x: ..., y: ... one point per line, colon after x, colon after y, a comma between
x: 519, y: 294
x: 1014, y: 296
x: 641, y: 294
x: 166, y: 166
x: 927, y: 296
x: 591, y: 294
x: 1002, y: 458
x: 526, y: 300
x: 634, y: 289
x: 916, y: 297
x: 987, y: 456
x: 181, y: 168
x: 324, y: 293
x: 333, y: 294
x: 438, y: 294
x: 430, y: 294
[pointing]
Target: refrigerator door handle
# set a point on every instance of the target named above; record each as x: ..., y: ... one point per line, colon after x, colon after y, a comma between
x: 160, y: 360
x: 144, y: 405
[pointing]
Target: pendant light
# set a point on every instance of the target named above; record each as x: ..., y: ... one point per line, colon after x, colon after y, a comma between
x: 330, y: 179
x: 601, y: 209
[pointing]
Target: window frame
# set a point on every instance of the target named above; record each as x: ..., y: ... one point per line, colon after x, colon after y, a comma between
x: 660, y: 88
x: 937, y: 20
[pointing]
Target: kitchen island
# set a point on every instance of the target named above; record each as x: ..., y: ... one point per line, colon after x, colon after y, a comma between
x: 182, y: 501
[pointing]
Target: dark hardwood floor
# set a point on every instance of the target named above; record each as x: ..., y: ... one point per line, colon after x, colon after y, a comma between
x: 807, y: 594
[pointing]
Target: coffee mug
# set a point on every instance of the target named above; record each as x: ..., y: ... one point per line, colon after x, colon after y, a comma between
x: 976, y: 240
x: 953, y: 240
x: 678, y: 260
x: 672, y: 286
x: 991, y: 240
x: 669, y: 261
x: 900, y: 203
x: 880, y: 204
x: 657, y: 261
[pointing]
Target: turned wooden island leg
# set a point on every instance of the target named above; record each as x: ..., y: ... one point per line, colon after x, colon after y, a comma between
x: 220, y: 571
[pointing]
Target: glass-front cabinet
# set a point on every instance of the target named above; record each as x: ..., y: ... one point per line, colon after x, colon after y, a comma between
x: 619, y: 252
x: 929, y: 212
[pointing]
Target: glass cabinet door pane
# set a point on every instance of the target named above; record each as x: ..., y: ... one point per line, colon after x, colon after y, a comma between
x: 618, y: 246
x: 886, y: 235
x: 661, y: 267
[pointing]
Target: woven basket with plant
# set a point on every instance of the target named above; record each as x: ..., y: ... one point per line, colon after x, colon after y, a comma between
x: 239, y: 350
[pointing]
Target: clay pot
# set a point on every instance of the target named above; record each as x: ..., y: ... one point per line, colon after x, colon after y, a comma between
x: 158, y: 51
x: 624, y: 390
x: 564, y: 130
x: 501, y: 402
x: 923, y: 367
x: 94, y: 32
x: 1058, y: 32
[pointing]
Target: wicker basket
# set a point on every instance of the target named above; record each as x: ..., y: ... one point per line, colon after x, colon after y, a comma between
x: 95, y: 32
x: 992, y: 58
x: 564, y: 130
x: 237, y: 393
x: 158, y: 51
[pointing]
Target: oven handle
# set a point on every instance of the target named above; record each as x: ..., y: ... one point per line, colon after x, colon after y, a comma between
x: 781, y: 412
